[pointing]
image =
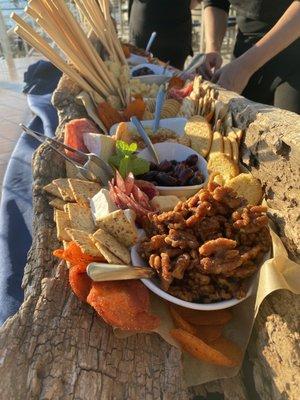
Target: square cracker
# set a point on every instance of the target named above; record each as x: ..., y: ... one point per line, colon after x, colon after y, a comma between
x: 83, y: 190
x: 120, y: 227
x: 112, y: 244
x: 83, y: 240
x: 64, y: 189
x: 81, y: 217
x: 57, y: 203
x: 51, y: 188
x: 62, y: 224
x: 108, y: 255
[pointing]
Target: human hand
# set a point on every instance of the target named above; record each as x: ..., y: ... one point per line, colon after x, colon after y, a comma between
x: 212, y: 62
x: 233, y: 76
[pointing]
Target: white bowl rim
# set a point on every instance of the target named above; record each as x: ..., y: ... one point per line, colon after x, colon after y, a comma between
x: 199, y: 306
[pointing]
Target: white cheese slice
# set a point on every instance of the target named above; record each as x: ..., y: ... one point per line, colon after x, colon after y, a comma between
x: 102, y: 205
x: 101, y: 145
x: 130, y: 215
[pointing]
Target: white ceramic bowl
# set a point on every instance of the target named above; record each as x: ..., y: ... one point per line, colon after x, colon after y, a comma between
x: 153, y: 285
x: 175, y: 124
x: 175, y: 151
x: 158, y: 77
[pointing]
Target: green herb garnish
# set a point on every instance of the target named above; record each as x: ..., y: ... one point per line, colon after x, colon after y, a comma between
x: 125, y: 160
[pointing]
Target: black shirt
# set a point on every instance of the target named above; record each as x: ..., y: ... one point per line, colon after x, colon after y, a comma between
x: 172, y: 21
x: 254, y: 17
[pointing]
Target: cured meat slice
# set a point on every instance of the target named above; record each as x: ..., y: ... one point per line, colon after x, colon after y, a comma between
x: 74, y: 134
x: 123, y: 304
x: 147, y: 187
x: 79, y: 282
x: 179, y: 94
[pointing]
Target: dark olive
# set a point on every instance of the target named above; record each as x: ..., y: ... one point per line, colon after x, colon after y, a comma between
x: 174, y: 162
x: 165, y: 166
x: 149, y: 176
x: 164, y: 179
x: 153, y: 166
x: 179, y: 169
x: 142, y: 71
x: 192, y: 160
x: 185, y: 175
x: 197, y: 179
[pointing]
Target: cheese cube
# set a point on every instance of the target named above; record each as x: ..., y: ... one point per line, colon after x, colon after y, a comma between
x: 102, y: 205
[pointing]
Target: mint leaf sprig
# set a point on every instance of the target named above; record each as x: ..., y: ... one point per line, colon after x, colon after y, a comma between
x: 125, y: 160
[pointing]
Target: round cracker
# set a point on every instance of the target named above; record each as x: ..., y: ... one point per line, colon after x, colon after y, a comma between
x: 200, y: 134
x: 247, y: 186
x: 220, y: 162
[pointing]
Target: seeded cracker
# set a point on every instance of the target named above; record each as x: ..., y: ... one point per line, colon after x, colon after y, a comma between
x: 62, y: 224
x: 57, y: 203
x: 83, y: 190
x: 115, y: 247
x: 83, y: 240
x: 81, y: 217
x: 64, y: 189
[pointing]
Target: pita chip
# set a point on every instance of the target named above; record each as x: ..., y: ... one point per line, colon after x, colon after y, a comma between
x: 81, y: 217
x: 83, y: 190
x: 115, y: 247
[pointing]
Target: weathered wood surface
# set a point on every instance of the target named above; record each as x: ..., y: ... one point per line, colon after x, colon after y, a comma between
x: 57, y: 348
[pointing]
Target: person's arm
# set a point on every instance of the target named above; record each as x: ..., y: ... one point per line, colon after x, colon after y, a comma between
x: 235, y: 75
x: 215, y: 24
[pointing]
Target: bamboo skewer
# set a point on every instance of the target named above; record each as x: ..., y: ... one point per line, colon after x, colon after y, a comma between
x: 90, y: 72
x: 57, y: 61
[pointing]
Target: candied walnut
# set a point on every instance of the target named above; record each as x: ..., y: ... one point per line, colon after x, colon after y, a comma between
x: 166, y: 275
x: 228, y: 196
x: 173, y: 252
x: 196, y: 278
x: 182, y: 239
x: 252, y: 253
x: 250, y: 219
x: 210, y: 228
x: 216, y: 246
x: 181, y: 265
x: 156, y: 242
x: 155, y: 262
x: 245, y: 270
x: 201, y: 211
x: 219, y: 256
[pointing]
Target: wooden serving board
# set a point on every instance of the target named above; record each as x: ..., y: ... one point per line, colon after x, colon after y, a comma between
x: 57, y: 348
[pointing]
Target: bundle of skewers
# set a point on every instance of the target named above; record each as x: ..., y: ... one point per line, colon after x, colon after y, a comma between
x: 81, y: 63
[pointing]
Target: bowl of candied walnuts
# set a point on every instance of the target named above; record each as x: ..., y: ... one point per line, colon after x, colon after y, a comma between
x: 206, y: 252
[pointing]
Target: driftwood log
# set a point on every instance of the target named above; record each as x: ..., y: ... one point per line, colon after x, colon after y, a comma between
x: 57, y: 348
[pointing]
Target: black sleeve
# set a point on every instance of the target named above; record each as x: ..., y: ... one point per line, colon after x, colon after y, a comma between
x: 222, y: 4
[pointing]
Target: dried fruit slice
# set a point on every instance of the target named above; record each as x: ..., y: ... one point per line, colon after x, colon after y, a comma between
x: 75, y: 256
x: 222, y: 352
x: 197, y: 317
x: 123, y: 304
x: 74, y: 132
x: 208, y: 333
x: 135, y: 109
x: 79, y: 282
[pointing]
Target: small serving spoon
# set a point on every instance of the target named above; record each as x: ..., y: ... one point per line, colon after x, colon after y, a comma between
x: 100, y: 272
x: 145, y: 137
x: 150, y: 41
x: 160, y: 99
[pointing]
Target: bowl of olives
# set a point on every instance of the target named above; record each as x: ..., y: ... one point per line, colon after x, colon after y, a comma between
x: 181, y: 172
x: 150, y: 73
